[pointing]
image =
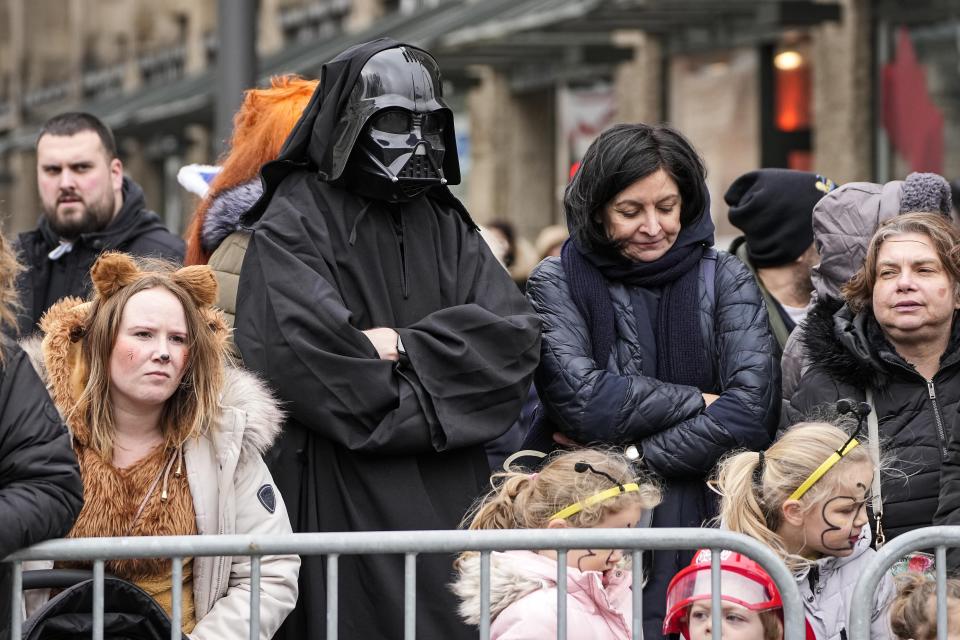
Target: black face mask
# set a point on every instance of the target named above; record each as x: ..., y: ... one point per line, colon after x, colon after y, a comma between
x: 399, y: 155
x: 395, y: 139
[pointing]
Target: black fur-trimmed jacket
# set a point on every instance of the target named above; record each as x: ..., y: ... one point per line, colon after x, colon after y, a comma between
x: 916, y: 417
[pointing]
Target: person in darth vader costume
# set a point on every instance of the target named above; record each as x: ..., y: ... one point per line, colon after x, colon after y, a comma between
x: 398, y: 344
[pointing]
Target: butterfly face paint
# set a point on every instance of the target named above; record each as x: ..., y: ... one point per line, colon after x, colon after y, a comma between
x: 604, y: 559
x: 833, y: 526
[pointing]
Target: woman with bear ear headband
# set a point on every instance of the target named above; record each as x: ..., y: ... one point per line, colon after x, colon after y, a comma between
x: 170, y: 437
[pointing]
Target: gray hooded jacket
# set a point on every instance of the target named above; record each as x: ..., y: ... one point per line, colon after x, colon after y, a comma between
x: 826, y: 587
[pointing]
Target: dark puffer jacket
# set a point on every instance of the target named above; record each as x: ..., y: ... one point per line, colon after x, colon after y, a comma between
x: 134, y: 230
x: 40, y: 489
x: 848, y: 353
x: 622, y: 403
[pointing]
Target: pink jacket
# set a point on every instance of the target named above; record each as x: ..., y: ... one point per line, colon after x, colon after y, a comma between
x: 523, y: 598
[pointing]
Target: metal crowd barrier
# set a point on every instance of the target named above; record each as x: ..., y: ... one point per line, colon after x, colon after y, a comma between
x: 861, y: 605
x: 410, y: 544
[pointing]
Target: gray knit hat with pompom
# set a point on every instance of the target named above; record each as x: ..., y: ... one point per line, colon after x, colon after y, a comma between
x: 926, y: 192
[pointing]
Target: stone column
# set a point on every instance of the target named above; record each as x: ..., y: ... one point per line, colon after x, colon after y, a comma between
x: 23, y: 209
x: 638, y: 83
x: 842, y: 95
x: 201, y: 17
x: 75, y: 58
x: 17, y: 43
x: 512, y: 153
x: 364, y: 13
x: 269, y: 31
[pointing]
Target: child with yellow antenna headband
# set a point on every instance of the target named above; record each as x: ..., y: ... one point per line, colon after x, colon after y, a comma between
x: 583, y: 489
x: 806, y: 498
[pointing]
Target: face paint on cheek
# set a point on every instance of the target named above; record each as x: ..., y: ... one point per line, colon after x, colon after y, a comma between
x: 588, y: 554
x: 831, y: 526
x: 130, y: 355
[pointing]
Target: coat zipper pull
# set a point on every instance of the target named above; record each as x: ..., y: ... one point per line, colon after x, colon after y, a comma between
x: 938, y: 419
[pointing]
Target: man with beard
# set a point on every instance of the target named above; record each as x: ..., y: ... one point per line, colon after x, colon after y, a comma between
x: 89, y: 206
x: 398, y: 344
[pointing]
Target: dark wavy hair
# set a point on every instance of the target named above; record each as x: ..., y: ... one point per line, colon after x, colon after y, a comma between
x: 620, y: 156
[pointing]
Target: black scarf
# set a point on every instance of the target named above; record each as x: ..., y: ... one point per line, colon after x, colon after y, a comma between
x: 681, y: 356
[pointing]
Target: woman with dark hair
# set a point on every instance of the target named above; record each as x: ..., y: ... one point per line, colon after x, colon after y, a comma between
x: 651, y: 338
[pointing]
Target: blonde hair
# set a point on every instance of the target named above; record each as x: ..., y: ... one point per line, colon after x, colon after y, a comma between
x: 192, y: 407
x: 752, y: 498
x: 521, y: 500
x: 913, y: 613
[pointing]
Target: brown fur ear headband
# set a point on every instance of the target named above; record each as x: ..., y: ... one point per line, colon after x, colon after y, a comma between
x: 114, y: 270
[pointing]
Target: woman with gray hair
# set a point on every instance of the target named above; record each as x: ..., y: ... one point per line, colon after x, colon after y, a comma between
x: 894, y: 343
x: 843, y: 223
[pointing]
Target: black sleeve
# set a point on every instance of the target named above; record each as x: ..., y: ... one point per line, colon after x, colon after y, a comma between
x: 40, y: 488
x: 746, y: 414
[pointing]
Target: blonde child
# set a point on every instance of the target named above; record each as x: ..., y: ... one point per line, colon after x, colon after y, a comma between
x: 581, y: 489
x: 913, y: 614
x: 805, y: 497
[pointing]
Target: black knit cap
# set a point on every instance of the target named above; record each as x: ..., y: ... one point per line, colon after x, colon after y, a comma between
x: 774, y: 210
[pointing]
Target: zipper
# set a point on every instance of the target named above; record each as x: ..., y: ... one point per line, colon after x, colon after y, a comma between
x: 937, y: 418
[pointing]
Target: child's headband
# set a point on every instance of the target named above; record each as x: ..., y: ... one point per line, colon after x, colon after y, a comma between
x: 596, y: 498
x: 859, y: 409
x: 823, y: 468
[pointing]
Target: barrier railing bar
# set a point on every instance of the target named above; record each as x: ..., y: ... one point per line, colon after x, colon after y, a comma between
x: 485, y: 595
x: 561, y: 594
x: 176, y: 602
x: 16, y: 596
x: 861, y: 603
x: 410, y: 596
x: 333, y: 571
x: 941, y: 560
x: 98, y: 600
x: 402, y: 542
x: 255, y: 597
x: 715, y: 591
x: 397, y: 542
x: 637, y: 569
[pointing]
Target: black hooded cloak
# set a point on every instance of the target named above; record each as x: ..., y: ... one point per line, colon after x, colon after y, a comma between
x: 370, y: 444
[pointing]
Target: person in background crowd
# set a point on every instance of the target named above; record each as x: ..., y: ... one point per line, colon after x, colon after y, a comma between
x: 805, y: 497
x: 399, y: 345
x: 774, y: 210
x: 169, y: 438
x: 650, y: 337
x: 913, y: 614
x: 579, y: 489
x: 260, y: 127
x: 40, y: 488
x: 518, y: 253
x: 896, y: 338
x: 89, y: 206
x: 843, y: 223
x: 550, y: 240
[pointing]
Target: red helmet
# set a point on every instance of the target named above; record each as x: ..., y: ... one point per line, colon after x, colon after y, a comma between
x: 742, y: 581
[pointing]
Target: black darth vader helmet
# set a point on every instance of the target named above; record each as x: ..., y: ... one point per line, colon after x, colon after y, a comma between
x: 395, y: 136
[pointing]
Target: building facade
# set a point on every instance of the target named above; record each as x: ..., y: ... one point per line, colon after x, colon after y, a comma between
x: 852, y: 89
